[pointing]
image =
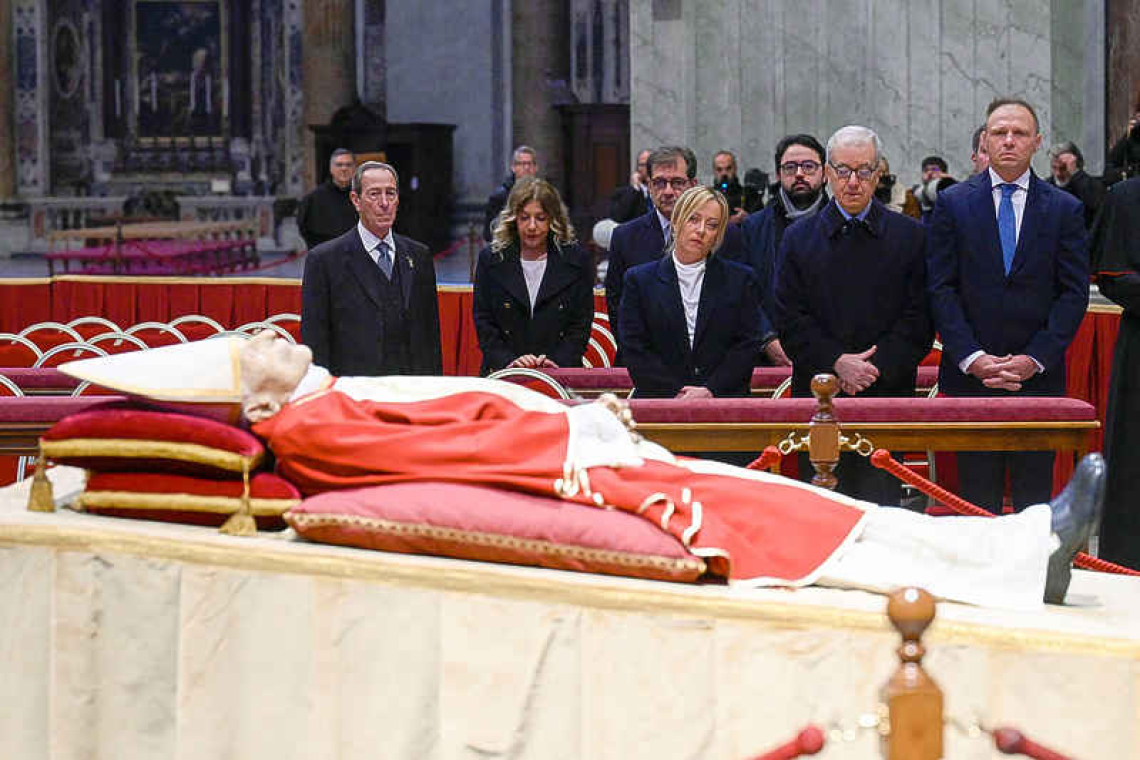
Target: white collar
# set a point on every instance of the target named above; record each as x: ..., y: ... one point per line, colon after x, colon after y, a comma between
x: 1022, y: 181
x: 665, y: 224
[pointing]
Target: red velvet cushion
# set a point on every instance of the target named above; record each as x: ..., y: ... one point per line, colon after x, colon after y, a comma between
x: 48, y: 409
x: 179, y: 498
x: 123, y: 437
x: 476, y: 522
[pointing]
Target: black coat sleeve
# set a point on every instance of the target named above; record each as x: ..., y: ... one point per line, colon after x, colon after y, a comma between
x: 650, y: 374
x: 497, y: 352
x: 316, y: 322
x: 580, y: 320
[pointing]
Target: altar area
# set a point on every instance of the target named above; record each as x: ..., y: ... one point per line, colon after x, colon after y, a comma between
x: 133, y: 639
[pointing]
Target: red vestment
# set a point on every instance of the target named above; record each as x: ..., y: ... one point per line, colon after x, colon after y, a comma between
x: 759, y: 531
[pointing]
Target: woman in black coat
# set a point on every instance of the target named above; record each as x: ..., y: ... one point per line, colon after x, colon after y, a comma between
x: 690, y: 320
x: 534, y: 285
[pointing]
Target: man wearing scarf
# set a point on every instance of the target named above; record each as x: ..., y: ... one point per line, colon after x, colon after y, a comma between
x: 799, y: 165
x: 1116, y: 263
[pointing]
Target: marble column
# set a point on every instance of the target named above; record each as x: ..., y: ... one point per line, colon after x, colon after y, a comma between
x: 7, y: 104
x: 1123, y: 18
x: 540, y: 75
x: 741, y: 74
x: 329, y: 66
x: 371, y: 55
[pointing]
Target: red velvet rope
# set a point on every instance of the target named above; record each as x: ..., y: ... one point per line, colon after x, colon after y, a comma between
x: 883, y: 460
x: 768, y: 458
x: 1012, y: 742
x: 807, y: 742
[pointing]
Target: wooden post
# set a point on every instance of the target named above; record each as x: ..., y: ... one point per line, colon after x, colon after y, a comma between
x: 823, y: 432
x: 913, y: 700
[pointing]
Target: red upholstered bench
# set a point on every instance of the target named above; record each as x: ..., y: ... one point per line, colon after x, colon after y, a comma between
x: 42, y: 381
x: 24, y: 419
x: 901, y: 424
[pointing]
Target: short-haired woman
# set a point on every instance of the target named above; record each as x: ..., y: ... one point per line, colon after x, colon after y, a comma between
x: 691, y: 320
x: 534, y: 285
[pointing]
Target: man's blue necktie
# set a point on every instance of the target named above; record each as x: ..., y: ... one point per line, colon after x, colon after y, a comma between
x: 1007, y: 225
x: 383, y: 259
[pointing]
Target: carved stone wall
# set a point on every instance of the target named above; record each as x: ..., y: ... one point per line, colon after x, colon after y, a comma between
x: 540, y: 79
x: 7, y: 138
x: 29, y: 20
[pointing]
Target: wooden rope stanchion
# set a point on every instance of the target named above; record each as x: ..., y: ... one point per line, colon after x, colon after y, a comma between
x: 823, y: 432
x: 913, y: 700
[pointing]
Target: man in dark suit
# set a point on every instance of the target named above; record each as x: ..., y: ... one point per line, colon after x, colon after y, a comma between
x: 368, y: 300
x: 850, y: 296
x: 1068, y: 172
x: 672, y: 170
x: 1008, y: 275
x: 632, y: 200
x: 799, y: 165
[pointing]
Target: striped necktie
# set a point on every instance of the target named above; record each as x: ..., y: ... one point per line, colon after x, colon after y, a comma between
x: 384, y: 259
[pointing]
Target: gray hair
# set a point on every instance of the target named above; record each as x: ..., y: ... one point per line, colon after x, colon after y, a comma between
x: 1068, y: 146
x: 358, y: 177
x: 524, y: 149
x: 340, y: 152
x: 853, y: 134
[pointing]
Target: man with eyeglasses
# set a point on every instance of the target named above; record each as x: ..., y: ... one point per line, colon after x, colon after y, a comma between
x: 850, y: 296
x: 799, y: 165
x: 671, y: 170
x: 1007, y: 257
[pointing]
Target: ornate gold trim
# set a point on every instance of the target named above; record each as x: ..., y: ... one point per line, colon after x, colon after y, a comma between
x: 181, y: 502
x: 137, y: 448
x: 302, y: 520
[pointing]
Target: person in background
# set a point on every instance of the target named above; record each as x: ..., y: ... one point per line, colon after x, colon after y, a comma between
x: 524, y: 163
x: 534, y: 285
x: 889, y: 192
x: 632, y: 200
x: 1068, y: 173
x: 979, y: 158
x: 726, y: 182
x: 691, y: 320
x: 327, y: 212
x: 1123, y: 160
x: 934, y: 168
x: 801, y: 193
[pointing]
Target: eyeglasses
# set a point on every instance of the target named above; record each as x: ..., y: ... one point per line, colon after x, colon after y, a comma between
x: 844, y: 173
x: 790, y: 168
x: 680, y: 184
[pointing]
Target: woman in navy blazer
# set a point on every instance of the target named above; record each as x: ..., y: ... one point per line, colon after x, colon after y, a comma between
x: 691, y: 320
x: 534, y: 285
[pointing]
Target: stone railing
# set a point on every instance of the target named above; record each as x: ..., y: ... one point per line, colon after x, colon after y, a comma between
x: 230, y: 208
x: 51, y: 214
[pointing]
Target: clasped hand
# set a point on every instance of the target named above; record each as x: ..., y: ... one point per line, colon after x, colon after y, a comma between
x: 856, y: 373
x: 1005, y: 373
x: 530, y: 361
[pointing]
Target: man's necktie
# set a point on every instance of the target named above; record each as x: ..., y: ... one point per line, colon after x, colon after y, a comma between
x: 384, y: 259
x: 1007, y: 225
x: 668, y: 235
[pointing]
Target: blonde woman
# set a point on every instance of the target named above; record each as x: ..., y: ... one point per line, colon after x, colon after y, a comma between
x: 691, y: 320
x: 534, y: 285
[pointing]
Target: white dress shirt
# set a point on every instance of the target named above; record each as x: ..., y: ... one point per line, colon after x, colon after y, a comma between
x: 371, y: 243
x: 1018, y: 200
x: 666, y: 227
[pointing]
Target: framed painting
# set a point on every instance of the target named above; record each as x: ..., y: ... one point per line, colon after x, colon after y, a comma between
x: 180, y: 70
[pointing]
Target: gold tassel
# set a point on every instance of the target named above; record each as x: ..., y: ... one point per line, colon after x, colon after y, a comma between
x: 40, y: 498
x: 242, y: 523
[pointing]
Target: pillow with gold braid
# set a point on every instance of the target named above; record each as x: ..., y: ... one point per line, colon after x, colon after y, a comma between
x: 127, y: 438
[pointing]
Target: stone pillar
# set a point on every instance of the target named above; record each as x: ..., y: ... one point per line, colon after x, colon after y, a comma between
x: 7, y: 104
x: 540, y: 74
x: 1123, y: 17
x: 329, y: 66
x: 371, y: 56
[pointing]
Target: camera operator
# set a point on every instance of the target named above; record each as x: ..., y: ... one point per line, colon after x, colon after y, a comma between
x: 725, y: 180
x: 934, y: 168
x: 1068, y: 172
x: 755, y: 185
x: 1123, y: 159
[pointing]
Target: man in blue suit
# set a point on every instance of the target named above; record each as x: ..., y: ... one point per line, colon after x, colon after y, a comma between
x: 1007, y: 275
x: 672, y: 170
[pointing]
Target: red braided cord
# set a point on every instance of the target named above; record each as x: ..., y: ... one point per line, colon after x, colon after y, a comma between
x: 883, y: 460
x: 768, y: 458
x: 807, y: 742
x: 1012, y: 742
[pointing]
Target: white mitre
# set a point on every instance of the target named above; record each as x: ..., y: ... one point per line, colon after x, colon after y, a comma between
x: 202, y: 378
